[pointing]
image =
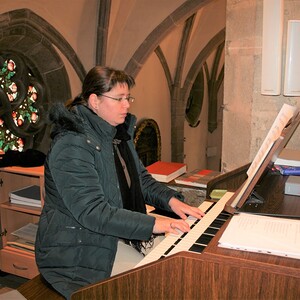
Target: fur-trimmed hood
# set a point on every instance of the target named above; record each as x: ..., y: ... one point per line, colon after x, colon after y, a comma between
x: 63, y: 120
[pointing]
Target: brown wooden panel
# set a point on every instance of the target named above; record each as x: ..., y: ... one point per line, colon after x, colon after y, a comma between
x: 196, y: 276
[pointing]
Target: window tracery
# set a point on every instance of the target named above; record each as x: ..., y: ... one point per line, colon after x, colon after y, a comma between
x: 20, y: 104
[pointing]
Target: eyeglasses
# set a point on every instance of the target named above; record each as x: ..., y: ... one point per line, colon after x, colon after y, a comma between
x: 129, y: 98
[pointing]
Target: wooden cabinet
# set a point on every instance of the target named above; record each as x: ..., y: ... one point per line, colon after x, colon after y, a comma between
x: 15, y: 260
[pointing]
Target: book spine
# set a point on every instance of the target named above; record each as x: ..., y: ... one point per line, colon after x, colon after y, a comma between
x: 291, y: 163
x: 290, y: 171
x: 190, y: 183
x: 26, y: 203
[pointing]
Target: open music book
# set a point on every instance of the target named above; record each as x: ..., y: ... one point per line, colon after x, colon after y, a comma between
x: 281, y: 131
x: 263, y: 234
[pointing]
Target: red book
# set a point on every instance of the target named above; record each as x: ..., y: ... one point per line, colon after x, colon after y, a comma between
x: 198, y: 178
x: 166, y: 171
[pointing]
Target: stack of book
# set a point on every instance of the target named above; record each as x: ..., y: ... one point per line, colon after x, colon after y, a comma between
x: 177, y: 172
x: 288, y: 170
x: 198, y: 178
x: 166, y: 171
x: 288, y: 162
x: 30, y: 195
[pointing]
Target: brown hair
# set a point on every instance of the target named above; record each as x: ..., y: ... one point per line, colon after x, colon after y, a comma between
x: 100, y: 80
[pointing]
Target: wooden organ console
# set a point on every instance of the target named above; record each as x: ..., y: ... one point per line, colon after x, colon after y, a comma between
x: 198, y: 269
x: 216, y: 273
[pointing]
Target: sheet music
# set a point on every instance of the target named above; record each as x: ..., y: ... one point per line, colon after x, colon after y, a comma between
x: 283, y: 118
x: 27, y: 232
x: 263, y: 234
x: 281, y: 121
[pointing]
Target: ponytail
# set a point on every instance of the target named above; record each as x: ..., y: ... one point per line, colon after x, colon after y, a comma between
x: 78, y: 100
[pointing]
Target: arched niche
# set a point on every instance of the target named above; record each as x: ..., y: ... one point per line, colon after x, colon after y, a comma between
x: 147, y: 141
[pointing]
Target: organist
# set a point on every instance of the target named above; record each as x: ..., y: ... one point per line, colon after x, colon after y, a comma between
x: 96, y: 189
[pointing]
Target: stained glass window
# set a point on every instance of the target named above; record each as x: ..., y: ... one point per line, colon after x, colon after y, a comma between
x: 17, y: 108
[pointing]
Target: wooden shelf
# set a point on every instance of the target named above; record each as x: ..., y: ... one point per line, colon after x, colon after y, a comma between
x: 20, y: 262
x: 22, y: 208
x: 34, y: 171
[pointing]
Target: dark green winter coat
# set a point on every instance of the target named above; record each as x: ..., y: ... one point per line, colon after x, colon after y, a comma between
x: 83, y: 218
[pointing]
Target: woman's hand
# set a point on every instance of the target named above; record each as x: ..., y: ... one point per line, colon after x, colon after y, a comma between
x: 163, y: 225
x: 168, y: 225
x: 182, y: 209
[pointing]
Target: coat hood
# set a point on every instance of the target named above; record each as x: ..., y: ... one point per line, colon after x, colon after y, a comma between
x: 63, y: 120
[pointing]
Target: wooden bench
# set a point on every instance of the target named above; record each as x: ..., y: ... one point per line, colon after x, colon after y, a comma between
x: 38, y: 289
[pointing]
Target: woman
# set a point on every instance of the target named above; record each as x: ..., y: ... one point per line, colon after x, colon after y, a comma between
x: 96, y: 188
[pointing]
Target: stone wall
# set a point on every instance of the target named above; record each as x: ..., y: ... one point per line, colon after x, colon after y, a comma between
x: 248, y: 115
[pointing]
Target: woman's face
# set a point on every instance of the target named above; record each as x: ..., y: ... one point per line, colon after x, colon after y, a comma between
x: 113, y: 111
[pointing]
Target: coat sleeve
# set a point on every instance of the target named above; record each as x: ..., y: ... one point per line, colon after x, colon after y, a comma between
x: 156, y: 193
x: 80, y: 189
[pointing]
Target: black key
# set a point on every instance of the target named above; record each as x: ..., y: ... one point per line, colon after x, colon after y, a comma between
x: 197, y: 248
x: 222, y: 216
x: 204, y: 239
x: 210, y: 230
x: 217, y: 223
x: 169, y: 250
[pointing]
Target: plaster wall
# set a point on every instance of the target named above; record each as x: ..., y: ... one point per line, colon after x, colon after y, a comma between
x: 152, y: 101
x: 77, y: 25
x: 131, y: 21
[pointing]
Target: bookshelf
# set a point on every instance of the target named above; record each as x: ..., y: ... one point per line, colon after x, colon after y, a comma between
x: 14, y: 260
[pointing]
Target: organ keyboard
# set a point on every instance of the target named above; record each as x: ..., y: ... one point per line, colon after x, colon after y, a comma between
x: 202, y: 231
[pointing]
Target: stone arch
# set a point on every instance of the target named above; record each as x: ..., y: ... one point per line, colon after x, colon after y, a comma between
x: 185, y: 13
x: 24, y: 33
x: 196, y: 66
x: 182, y: 13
